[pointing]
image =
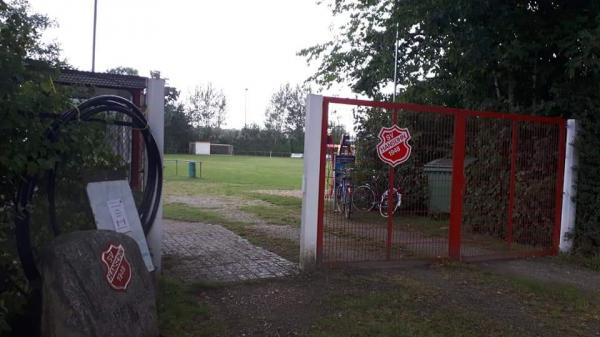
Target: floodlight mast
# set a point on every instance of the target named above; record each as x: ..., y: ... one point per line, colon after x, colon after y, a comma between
x: 245, y: 106
x: 395, y: 65
x: 94, y: 38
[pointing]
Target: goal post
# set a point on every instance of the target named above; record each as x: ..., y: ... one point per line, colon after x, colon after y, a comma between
x: 226, y: 149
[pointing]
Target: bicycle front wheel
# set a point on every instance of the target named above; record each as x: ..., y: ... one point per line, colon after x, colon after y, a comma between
x: 363, y: 198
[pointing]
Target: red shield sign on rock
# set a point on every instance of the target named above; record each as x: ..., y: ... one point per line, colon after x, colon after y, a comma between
x: 118, y: 269
x: 393, y: 147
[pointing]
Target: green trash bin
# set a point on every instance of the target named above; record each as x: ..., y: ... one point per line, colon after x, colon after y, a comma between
x: 192, y: 169
x: 439, y: 184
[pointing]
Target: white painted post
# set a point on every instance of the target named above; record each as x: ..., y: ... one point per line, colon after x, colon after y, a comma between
x: 569, y: 189
x: 155, y: 103
x: 310, y: 182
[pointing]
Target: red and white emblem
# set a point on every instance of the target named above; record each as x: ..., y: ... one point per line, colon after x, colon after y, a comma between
x: 118, y: 269
x: 393, y: 147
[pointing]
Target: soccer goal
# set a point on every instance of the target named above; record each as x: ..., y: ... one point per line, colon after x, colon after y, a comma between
x: 221, y: 149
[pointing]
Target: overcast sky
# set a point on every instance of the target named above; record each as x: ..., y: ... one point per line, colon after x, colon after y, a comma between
x: 235, y: 44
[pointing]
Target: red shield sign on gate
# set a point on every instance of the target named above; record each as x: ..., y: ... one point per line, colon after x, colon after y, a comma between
x: 393, y: 147
x: 118, y: 269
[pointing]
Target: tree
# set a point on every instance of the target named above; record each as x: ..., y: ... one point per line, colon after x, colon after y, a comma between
x: 523, y: 56
x: 123, y: 71
x: 286, y: 114
x: 178, y: 129
x: 27, y: 70
x: 206, y: 108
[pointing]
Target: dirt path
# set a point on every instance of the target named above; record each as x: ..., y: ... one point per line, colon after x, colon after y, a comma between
x: 285, y: 193
x: 229, y: 208
x: 435, y: 296
x: 547, y: 270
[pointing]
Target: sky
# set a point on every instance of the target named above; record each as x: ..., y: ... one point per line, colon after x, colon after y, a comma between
x: 235, y: 44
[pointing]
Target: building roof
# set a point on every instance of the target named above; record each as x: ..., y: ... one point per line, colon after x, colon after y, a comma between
x: 103, y: 80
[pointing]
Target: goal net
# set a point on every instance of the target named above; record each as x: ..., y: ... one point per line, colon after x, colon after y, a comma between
x: 221, y: 149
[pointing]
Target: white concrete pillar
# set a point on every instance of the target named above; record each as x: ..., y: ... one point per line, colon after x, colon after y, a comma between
x: 310, y: 181
x: 569, y: 189
x: 155, y: 104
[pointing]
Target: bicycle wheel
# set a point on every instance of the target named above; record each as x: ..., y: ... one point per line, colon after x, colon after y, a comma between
x: 348, y: 204
x: 363, y: 198
x: 383, y: 204
x: 338, y: 200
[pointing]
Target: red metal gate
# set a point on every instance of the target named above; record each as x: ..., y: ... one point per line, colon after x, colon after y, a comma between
x: 477, y: 185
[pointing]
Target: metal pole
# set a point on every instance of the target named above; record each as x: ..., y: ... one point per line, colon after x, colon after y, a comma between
x: 245, y: 105
x: 94, y: 39
x: 395, y: 65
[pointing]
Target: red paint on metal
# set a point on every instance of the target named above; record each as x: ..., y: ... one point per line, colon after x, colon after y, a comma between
x: 458, y: 178
x: 513, y: 176
x: 135, y: 179
x: 531, y: 150
x: 560, y: 171
x: 322, y: 158
x: 118, y: 269
x: 444, y: 110
x: 393, y: 148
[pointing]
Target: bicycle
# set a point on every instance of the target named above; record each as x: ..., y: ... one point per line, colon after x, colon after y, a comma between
x: 364, y: 199
x: 343, y: 195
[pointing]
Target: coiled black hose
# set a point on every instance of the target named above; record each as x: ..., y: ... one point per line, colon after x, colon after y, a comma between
x: 88, y: 111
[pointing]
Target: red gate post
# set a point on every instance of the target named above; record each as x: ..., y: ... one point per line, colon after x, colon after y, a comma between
x: 458, y: 180
x: 390, y: 210
x: 513, y: 178
x: 135, y: 179
x: 322, y: 162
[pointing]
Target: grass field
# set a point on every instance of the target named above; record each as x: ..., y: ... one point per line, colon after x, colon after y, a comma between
x: 239, y: 172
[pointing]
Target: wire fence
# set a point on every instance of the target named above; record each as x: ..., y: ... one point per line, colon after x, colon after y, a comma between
x: 182, y: 168
x: 264, y: 153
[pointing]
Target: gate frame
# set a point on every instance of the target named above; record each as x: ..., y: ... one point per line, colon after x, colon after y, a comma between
x: 311, y: 232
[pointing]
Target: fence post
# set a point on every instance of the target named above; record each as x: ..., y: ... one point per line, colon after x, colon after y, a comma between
x: 458, y: 180
x: 311, y: 183
x: 569, y: 191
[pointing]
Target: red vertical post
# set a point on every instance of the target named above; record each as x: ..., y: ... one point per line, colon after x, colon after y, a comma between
x: 560, y: 172
x: 458, y: 181
x: 322, y: 158
x: 390, y: 210
x: 135, y: 179
x: 512, y: 183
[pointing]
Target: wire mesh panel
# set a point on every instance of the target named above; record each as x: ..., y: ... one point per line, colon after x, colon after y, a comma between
x: 360, y: 197
x: 510, y: 195
x: 504, y: 201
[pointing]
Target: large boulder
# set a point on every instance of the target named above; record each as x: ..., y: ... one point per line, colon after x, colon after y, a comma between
x: 95, y: 283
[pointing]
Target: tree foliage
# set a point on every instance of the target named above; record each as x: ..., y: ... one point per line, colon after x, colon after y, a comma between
x: 207, y: 107
x: 286, y: 114
x: 178, y: 129
x: 523, y: 56
x: 28, y: 68
x: 123, y: 71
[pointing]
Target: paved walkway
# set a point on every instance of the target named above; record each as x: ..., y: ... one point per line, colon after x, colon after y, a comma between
x: 204, y: 252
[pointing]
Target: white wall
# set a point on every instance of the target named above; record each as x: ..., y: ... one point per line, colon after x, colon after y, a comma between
x: 202, y: 147
x: 310, y: 182
x: 569, y: 190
